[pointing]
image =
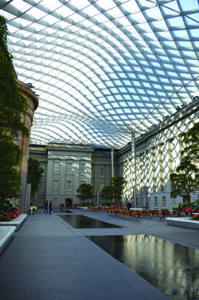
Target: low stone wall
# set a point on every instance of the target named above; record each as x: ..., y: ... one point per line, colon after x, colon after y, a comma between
x: 183, y: 222
x: 6, y: 233
x: 17, y: 222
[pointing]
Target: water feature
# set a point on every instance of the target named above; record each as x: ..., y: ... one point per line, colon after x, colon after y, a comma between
x: 171, y: 268
x: 80, y: 221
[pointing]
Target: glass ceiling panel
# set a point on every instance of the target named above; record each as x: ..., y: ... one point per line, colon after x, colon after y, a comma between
x: 103, y: 69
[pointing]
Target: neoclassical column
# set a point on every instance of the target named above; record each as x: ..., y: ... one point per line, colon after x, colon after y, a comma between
x: 134, y: 168
x: 170, y: 154
x: 112, y: 162
x: 161, y: 170
x: 154, y: 179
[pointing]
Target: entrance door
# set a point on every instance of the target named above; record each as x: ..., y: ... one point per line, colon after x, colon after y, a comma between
x: 69, y: 202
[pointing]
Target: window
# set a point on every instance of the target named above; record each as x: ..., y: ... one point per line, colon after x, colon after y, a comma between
x: 156, y: 201
x: 69, y: 185
x: 41, y: 185
x: 102, y: 172
x: 55, y: 186
x: 69, y: 168
x: 82, y: 169
x: 15, y: 134
x: 56, y: 167
x: 164, y: 204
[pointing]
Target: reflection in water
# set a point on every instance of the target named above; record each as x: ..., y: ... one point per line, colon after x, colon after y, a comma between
x: 171, y: 268
x: 80, y: 221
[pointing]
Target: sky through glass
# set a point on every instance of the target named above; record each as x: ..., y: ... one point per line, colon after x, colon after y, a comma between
x: 103, y: 69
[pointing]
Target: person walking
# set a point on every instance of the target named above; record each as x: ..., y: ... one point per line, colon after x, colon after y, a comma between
x: 50, y: 207
x: 46, y: 207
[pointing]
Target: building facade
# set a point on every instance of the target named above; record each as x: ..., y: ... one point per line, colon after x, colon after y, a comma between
x: 66, y: 167
x: 157, y: 155
x: 23, y: 142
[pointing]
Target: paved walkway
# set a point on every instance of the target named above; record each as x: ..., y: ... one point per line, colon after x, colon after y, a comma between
x: 48, y: 259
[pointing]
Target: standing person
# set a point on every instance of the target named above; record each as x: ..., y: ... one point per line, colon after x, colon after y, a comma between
x: 145, y: 207
x: 50, y: 207
x: 66, y: 204
x: 128, y: 205
x: 46, y: 207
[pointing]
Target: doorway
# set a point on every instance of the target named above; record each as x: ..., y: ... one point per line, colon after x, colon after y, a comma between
x: 69, y: 202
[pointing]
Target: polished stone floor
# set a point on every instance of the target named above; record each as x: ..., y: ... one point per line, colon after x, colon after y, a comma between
x: 49, y: 259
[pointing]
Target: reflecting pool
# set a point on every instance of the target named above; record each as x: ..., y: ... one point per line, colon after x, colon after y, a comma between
x: 80, y: 221
x: 171, y: 268
x: 63, y: 210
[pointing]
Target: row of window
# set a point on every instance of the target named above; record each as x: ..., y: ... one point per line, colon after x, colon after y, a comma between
x: 68, y: 186
x: 164, y: 204
x: 70, y: 169
x: 56, y: 186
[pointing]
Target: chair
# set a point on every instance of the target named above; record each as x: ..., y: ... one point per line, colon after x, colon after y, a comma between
x: 163, y: 213
x: 133, y: 214
x: 186, y: 213
x: 148, y: 213
x: 126, y: 213
x: 179, y: 213
x: 139, y: 213
x: 158, y: 214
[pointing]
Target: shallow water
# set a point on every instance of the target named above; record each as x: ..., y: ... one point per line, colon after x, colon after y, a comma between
x: 80, y: 221
x: 171, y: 268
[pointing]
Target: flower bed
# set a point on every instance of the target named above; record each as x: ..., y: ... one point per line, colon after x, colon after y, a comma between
x: 18, y: 221
x: 9, y: 216
x: 195, y: 217
x: 187, y: 209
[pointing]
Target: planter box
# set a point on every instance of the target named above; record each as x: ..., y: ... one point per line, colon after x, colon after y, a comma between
x: 17, y: 222
x: 183, y: 222
x: 6, y: 233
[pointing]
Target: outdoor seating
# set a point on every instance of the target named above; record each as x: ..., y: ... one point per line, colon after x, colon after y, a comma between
x: 133, y: 215
x: 179, y: 213
x: 174, y: 213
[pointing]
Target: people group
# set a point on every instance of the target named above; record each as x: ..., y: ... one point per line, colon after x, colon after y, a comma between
x: 48, y: 208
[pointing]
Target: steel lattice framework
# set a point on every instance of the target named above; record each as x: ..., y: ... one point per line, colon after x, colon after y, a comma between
x: 104, y: 68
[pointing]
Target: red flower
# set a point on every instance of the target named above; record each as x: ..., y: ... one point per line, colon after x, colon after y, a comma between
x: 195, y: 217
x: 187, y: 209
x: 12, y: 215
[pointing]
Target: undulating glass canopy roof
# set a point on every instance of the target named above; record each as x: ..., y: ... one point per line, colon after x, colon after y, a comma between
x: 104, y: 68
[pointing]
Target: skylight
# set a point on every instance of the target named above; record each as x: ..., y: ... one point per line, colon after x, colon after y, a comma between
x: 104, y: 68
